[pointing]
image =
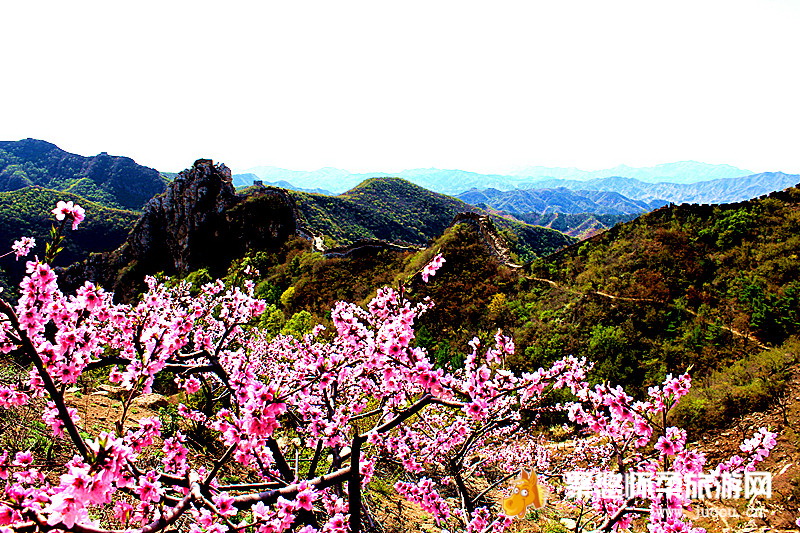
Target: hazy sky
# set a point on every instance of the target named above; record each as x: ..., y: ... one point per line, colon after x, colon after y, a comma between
x: 375, y: 85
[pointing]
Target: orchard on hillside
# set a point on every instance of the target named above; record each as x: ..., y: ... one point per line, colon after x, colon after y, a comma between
x: 307, y: 424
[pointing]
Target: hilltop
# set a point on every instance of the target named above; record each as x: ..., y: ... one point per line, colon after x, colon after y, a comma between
x: 380, y: 208
x: 397, y: 210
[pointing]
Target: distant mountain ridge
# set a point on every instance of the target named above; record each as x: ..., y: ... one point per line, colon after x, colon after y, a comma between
x: 246, y: 180
x: 680, y: 172
x: 690, y: 182
x: 449, y: 182
x: 559, y: 200
x: 113, y: 181
x: 721, y: 191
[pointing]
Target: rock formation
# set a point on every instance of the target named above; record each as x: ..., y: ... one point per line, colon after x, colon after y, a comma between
x: 199, y: 222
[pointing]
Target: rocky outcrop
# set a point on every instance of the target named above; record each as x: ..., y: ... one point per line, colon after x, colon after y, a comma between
x: 302, y: 228
x: 183, y: 224
x: 199, y: 222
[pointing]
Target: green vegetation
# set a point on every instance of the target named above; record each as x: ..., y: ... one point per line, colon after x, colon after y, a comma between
x: 295, y: 278
x: 27, y: 212
x: 754, y: 382
x: 685, y: 286
x: 396, y: 210
x: 109, y: 180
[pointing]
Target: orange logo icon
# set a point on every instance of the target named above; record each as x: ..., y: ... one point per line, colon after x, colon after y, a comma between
x: 526, y: 492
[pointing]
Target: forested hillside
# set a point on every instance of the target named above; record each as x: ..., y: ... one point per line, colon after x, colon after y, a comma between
x: 303, y: 284
x: 700, y: 287
x: 393, y: 209
x: 734, y: 264
x: 110, y: 180
x: 27, y: 213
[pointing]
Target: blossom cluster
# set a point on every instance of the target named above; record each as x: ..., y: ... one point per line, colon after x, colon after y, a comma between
x: 69, y: 210
x: 431, y: 268
x: 629, y: 427
x: 340, y: 400
x: 425, y: 495
x: 23, y: 246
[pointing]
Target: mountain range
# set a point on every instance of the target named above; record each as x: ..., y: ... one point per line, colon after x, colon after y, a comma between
x: 720, y: 191
x: 111, y: 180
x: 559, y: 200
x: 692, y: 182
x: 388, y: 209
x: 680, y: 172
x: 397, y: 210
x: 457, y: 181
x: 119, y: 182
x: 203, y: 222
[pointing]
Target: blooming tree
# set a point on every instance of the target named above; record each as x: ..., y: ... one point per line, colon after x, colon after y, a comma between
x: 306, y: 422
x: 638, y: 458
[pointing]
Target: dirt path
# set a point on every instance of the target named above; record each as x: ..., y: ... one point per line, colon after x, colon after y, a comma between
x: 733, y: 331
x: 624, y: 298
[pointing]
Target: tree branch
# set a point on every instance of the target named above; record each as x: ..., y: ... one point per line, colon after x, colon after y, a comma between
x: 271, y: 496
x: 354, y: 484
x: 47, y: 380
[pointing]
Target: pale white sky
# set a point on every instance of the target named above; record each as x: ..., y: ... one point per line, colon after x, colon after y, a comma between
x: 382, y: 86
